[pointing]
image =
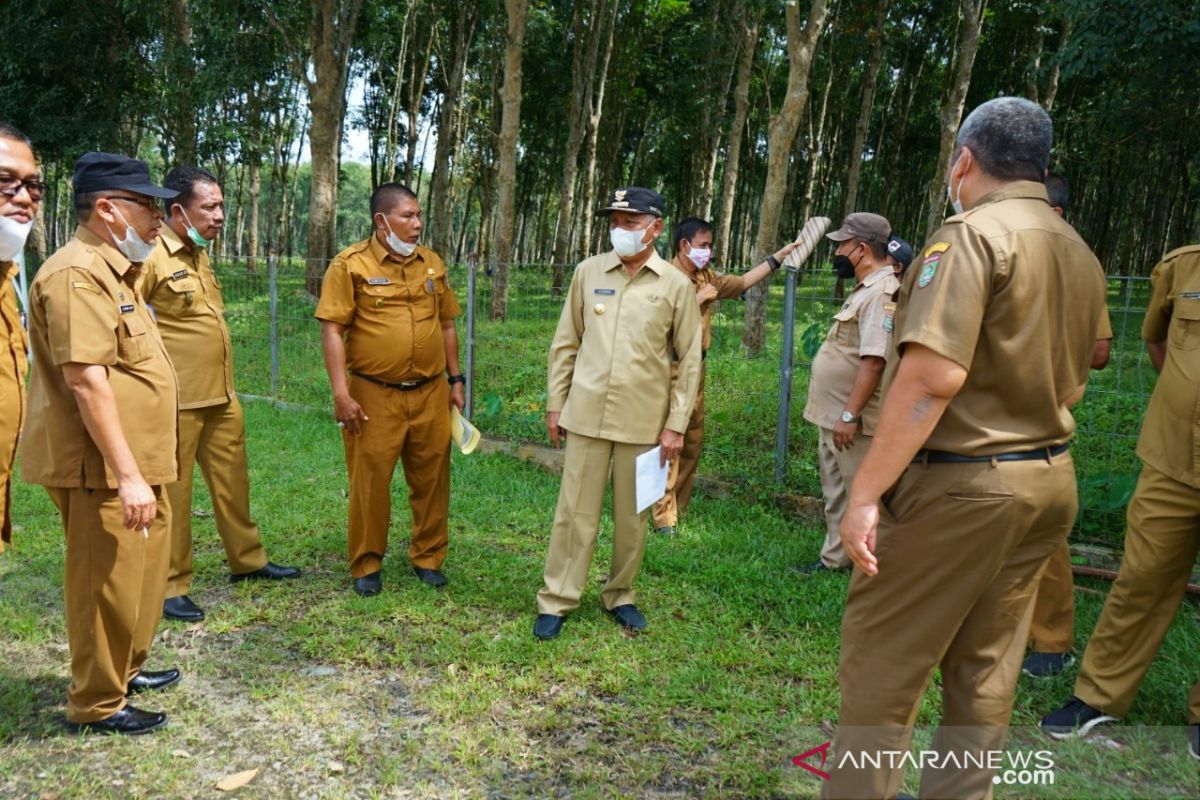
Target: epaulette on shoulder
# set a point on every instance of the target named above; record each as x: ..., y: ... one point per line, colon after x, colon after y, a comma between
x: 1182, y: 251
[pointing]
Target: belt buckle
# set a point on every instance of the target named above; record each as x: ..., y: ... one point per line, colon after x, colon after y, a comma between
x: 409, y: 384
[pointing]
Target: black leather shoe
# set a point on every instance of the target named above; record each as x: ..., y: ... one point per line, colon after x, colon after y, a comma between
x: 183, y: 608
x: 129, y: 721
x: 267, y: 572
x: 430, y: 576
x: 628, y: 616
x: 369, y: 585
x: 547, y: 626
x: 146, y: 681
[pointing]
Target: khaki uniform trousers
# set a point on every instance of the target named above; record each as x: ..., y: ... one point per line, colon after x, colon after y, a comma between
x: 216, y: 437
x: 1053, y: 627
x: 681, y: 474
x: 414, y: 428
x: 838, y: 468
x: 577, y: 523
x: 960, y: 547
x: 1161, y: 543
x: 113, y: 589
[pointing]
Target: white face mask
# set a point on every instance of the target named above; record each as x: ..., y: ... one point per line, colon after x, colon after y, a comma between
x: 956, y: 203
x: 132, y: 246
x: 403, y: 248
x: 12, y: 237
x: 700, y: 256
x: 627, y: 243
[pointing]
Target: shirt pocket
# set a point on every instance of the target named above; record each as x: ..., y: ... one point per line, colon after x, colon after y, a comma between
x: 646, y: 316
x: 429, y: 302
x: 179, y: 298
x: 133, y: 344
x: 1185, y: 325
x: 375, y: 297
x: 845, y: 327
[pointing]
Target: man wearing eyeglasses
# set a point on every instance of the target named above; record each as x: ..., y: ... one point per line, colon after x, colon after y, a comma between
x: 102, y: 438
x: 21, y: 191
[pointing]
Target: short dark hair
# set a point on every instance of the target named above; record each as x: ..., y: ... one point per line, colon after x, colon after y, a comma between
x: 686, y: 229
x: 183, y: 179
x: 8, y: 131
x: 878, y: 249
x: 84, y: 202
x: 387, y: 195
x: 1010, y: 136
x: 1058, y: 190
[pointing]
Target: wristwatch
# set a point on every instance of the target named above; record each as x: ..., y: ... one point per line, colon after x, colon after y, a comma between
x: 453, y: 379
x: 847, y: 417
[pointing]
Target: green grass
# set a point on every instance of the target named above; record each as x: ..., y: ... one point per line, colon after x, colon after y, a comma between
x: 416, y: 693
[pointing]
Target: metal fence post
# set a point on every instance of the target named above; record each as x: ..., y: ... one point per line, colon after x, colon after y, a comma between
x: 470, y: 372
x: 273, y: 288
x: 786, y: 345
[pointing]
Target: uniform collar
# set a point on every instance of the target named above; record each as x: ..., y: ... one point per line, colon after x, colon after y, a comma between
x: 1017, y: 190
x: 876, y: 276
x: 115, y: 258
x: 654, y: 263
x: 171, y: 239
x: 381, y: 253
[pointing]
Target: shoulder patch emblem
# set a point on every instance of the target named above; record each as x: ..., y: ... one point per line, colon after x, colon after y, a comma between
x: 928, y: 270
x: 936, y: 247
x: 85, y: 286
x: 889, y: 317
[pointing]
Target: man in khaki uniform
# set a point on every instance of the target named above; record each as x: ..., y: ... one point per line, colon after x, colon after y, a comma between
x: 613, y: 393
x: 843, y: 390
x: 387, y: 315
x: 1052, y: 630
x: 1163, y: 534
x: 692, y: 242
x: 968, y: 486
x: 21, y: 191
x: 182, y: 288
x: 102, y: 438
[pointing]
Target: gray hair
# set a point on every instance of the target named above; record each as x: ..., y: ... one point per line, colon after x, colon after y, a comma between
x: 1011, y: 138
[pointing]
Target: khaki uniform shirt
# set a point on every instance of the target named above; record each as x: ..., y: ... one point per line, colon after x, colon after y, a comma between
x: 15, y: 361
x: 183, y: 290
x: 1170, y: 438
x: 610, y: 362
x: 863, y: 327
x: 393, y: 309
x: 1009, y: 291
x: 728, y: 287
x: 85, y: 308
x: 13, y: 366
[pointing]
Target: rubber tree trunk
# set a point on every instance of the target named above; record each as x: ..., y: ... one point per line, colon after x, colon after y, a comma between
x: 510, y: 127
x: 781, y: 133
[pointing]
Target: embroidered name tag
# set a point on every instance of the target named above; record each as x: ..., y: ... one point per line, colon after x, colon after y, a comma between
x: 182, y: 273
x: 127, y: 308
x: 378, y: 281
x: 1189, y: 295
x: 87, y: 287
x: 606, y: 292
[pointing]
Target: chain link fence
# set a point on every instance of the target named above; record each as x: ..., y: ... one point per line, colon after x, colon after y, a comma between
x: 277, y: 354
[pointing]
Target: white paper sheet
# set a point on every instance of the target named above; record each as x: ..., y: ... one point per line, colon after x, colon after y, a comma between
x: 651, y: 478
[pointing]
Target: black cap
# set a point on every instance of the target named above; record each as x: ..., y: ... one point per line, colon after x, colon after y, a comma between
x: 635, y: 200
x: 95, y: 172
x: 900, y: 250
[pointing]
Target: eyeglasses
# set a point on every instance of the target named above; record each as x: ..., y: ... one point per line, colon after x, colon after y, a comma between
x: 148, y: 202
x: 11, y: 186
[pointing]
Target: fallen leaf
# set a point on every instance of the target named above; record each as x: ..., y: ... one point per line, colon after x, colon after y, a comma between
x: 236, y: 781
x: 336, y: 767
x: 181, y: 754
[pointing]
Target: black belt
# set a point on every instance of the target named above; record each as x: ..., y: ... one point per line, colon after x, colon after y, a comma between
x: 403, y: 386
x: 942, y: 457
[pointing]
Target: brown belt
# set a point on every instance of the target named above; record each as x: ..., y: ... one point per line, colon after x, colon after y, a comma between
x: 402, y: 386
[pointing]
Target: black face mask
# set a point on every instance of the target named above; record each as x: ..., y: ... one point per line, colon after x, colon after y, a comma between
x: 843, y: 266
